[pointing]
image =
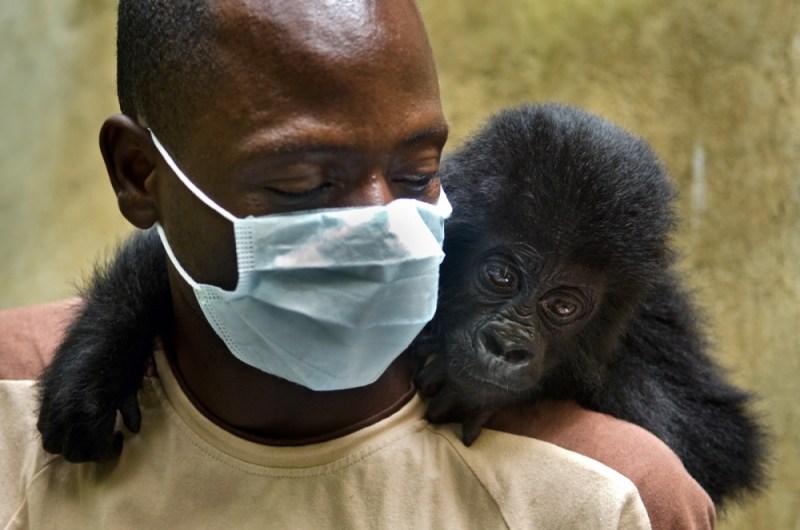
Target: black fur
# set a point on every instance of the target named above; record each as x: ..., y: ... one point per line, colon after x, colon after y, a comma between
x: 548, y: 197
x: 552, y: 188
x: 99, y: 366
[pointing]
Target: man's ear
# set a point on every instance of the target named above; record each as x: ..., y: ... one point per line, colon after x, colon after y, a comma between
x: 130, y: 157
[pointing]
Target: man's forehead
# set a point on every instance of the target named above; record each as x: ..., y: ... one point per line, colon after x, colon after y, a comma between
x: 317, y: 19
x: 338, y: 72
x: 278, y: 55
x: 330, y: 28
x: 289, y: 47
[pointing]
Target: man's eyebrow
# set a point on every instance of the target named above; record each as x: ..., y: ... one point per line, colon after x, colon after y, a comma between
x: 292, y: 146
x: 435, y: 133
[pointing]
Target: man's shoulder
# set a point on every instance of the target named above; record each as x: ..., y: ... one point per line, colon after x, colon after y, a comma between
x: 30, y: 335
x: 19, y: 406
x: 536, y: 481
x: 21, y: 455
x: 18, y: 401
x: 672, y: 497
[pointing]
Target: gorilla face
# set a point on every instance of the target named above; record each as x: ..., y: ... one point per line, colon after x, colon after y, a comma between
x: 512, y: 313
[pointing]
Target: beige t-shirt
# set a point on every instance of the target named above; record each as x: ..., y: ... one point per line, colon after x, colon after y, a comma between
x: 183, y: 471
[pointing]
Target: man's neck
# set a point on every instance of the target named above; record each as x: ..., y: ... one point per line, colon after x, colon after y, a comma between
x: 267, y: 409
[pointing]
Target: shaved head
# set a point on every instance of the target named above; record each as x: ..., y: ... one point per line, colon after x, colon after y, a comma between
x: 176, y: 56
x: 163, y: 56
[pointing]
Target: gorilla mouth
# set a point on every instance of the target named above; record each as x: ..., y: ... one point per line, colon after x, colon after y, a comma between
x: 498, y: 372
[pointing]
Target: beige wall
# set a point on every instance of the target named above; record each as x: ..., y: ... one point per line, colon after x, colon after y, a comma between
x: 57, y: 210
x: 713, y: 84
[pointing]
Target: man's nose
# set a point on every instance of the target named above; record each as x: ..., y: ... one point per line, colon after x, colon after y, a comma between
x: 374, y: 190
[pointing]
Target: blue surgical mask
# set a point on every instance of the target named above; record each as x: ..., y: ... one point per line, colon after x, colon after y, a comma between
x: 327, y: 298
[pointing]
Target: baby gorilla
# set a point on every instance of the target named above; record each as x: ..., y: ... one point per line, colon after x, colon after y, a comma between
x: 556, y: 284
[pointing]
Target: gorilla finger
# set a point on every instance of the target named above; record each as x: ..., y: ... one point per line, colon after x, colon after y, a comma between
x: 52, y: 439
x: 424, y: 346
x: 440, y: 408
x: 108, y: 448
x: 472, y: 427
x: 131, y: 413
x: 430, y: 379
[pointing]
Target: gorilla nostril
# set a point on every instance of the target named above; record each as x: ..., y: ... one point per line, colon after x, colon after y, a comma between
x: 518, y: 356
x: 492, y: 344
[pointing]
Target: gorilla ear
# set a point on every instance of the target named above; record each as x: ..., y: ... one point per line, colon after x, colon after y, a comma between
x: 130, y: 157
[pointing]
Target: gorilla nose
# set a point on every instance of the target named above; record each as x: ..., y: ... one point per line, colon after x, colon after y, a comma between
x: 518, y: 356
x: 510, y: 353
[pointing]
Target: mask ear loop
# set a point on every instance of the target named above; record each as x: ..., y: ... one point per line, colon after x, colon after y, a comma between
x: 189, y: 184
x: 197, y: 192
x: 185, y: 275
x: 443, y: 204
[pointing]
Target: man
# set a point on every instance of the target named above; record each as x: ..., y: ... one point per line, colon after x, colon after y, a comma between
x: 257, y: 108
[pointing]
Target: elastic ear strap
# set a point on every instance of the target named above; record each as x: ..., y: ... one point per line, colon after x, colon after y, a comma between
x: 185, y: 275
x: 189, y: 184
x: 443, y: 204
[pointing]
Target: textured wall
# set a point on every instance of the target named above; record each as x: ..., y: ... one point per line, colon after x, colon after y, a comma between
x: 57, y: 209
x: 712, y: 84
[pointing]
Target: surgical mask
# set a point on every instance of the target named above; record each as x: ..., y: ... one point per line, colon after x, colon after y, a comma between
x: 326, y: 298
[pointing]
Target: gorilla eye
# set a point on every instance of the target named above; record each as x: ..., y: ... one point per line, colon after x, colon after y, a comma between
x: 562, y: 307
x: 501, y: 276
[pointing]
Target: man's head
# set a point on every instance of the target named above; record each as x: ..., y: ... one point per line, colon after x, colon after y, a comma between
x: 269, y: 106
x: 164, y: 60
